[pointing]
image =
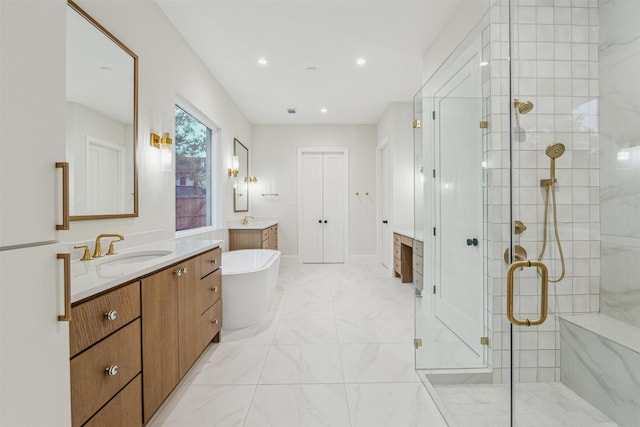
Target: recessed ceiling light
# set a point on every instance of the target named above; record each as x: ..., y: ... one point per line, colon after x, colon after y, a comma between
x: 262, y: 61
x: 106, y: 68
x: 361, y: 61
x: 310, y: 68
x: 323, y: 110
x: 484, y: 63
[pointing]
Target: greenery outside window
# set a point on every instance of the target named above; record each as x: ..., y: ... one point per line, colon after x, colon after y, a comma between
x: 193, y: 172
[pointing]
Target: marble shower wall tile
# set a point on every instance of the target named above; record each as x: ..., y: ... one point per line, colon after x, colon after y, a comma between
x: 619, y: 54
x: 604, y: 373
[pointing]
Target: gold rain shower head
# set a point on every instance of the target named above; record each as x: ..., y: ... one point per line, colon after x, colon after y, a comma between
x: 523, y: 107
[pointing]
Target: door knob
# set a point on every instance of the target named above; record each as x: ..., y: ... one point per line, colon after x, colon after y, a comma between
x: 325, y: 221
x: 385, y: 222
x: 319, y: 221
x: 473, y: 242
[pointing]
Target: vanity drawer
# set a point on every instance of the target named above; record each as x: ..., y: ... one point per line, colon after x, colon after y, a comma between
x: 209, y: 290
x: 90, y: 322
x: 396, y: 251
x: 210, y: 261
x: 418, y: 262
x: 210, y: 324
x: 265, y: 234
x: 124, y: 410
x: 418, y: 248
x: 396, y: 265
x: 91, y: 384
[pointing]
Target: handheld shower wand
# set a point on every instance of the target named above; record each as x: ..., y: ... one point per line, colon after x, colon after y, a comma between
x: 553, y: 151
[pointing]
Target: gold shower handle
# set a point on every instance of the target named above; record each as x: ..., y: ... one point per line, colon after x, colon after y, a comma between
x: 544, y: 294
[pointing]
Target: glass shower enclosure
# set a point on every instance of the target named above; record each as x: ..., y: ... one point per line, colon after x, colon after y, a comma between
x: 526, y: 188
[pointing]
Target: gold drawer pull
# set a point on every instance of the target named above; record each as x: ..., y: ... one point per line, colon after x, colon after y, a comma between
x: 112, y: 370
x: 66, y: 258
x: 214, y: 289
x: 215, y: 321
x: 111, y: 315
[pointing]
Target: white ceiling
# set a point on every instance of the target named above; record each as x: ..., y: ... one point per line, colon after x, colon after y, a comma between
x: 230, y: 35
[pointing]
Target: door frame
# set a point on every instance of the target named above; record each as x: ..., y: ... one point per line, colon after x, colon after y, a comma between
x: 384, y: 144
x: 317, y: 150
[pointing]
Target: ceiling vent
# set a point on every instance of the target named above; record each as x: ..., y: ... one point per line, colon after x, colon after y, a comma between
x: 291, y: 110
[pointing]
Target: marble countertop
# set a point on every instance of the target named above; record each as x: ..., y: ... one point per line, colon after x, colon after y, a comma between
x: 253, y: 224
x: 89, y: 278
x: 409, y: 232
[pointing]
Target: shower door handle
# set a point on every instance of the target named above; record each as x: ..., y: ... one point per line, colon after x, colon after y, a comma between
x: 544, y: 287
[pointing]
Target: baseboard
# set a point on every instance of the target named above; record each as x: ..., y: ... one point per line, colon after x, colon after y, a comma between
x: 289, y: 260
x: 363, y: 259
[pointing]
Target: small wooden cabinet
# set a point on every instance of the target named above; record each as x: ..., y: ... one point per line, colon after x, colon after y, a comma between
x: 266, y: 238
x: 403, y: 257
x: 132, y: 345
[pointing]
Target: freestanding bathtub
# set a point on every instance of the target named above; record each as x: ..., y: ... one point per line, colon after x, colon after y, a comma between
x: 249, y: 279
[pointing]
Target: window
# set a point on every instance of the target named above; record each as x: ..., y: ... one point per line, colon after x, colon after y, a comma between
x: 193, y: 172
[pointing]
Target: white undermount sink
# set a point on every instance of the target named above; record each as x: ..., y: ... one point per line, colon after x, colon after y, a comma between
x: 133, y: 257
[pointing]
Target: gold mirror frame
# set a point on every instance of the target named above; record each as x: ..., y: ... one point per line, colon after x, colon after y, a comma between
x: 242, y: 178
x: 115, y: 40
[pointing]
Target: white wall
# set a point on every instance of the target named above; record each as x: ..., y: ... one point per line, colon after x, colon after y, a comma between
x: 273, y: 159
x: 168, y: 68
x: 395, y: 126
x: 463, y: 20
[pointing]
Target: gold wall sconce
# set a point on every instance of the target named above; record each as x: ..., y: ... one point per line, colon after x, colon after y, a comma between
x: 233, y: 170
x: 251, y: 179
x: 163, y: 143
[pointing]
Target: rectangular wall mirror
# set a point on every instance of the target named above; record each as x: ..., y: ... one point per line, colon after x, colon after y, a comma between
x: 102, y: 87
x: 241, y: 184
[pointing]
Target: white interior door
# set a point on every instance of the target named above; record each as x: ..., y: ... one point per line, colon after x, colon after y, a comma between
x: 459, y: 237
x: 323, y: 207
x: 386, y: 237
x: 333, y: 207
x: 312, y: 225
x: 105, y: 176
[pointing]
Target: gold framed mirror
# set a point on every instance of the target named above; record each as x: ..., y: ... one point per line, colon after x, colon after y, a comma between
x: 241, y: 184
x: 102, y: 121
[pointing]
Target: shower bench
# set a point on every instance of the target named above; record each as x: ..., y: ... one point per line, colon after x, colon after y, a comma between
x: 600, y: 361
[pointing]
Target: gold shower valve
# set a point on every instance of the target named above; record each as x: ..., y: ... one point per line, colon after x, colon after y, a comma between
x: 519, y: 227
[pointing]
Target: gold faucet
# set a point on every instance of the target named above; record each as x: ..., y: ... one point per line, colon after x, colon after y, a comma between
x: 245, y: 220
x: 87, y: 255
x: 97, y: 253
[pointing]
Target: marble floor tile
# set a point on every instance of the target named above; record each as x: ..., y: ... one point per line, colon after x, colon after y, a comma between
x: 392, y: 404
x: 363, y: 363
x: 294, y: 308
x: 366, y: 331
x: 298, y: 405
x: 298, y: 364
x: 259, y: 334
x: 306, y: 331
x: 200, y: 406
x: 228, y: 364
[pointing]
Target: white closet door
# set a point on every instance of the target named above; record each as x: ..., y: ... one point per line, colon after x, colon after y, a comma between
x: 312, y: 226
x: 386, y: 233
x: 334, y: 207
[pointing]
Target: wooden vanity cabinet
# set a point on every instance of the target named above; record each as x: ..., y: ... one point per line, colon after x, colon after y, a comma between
x: 174, y: 326
x: 266, y: 238
x: 106, y: 358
